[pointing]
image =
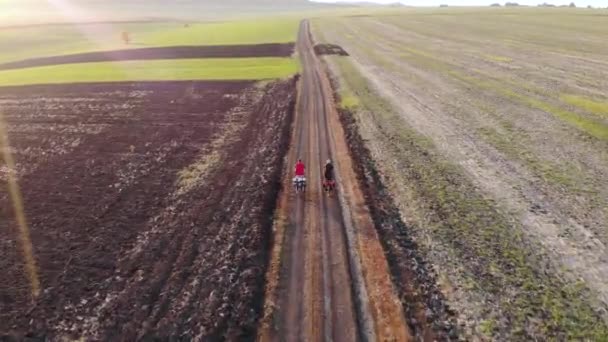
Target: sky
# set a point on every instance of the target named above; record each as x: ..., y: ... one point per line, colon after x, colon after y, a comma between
x: 580, y: 3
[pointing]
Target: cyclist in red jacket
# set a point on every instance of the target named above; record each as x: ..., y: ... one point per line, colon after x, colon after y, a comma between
x: 300, y: 168
x: 299, y: 180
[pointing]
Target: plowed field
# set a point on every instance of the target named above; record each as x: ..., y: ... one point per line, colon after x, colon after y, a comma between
x: 149, y: 204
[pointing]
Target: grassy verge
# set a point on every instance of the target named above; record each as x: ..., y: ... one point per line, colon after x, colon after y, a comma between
x: 525, y: 299
x: 155, y: 70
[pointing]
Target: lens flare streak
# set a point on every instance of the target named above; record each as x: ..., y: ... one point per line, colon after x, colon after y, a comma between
x: 16, y: 199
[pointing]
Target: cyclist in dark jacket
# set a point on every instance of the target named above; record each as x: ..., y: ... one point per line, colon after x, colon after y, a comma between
x: 329, y: 171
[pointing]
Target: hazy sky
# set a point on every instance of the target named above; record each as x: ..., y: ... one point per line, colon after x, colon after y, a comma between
x: 581, y: 3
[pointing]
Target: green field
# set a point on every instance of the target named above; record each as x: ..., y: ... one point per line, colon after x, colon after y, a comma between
x: 154, y: 70
x: 53, y: 40
x: 225, y: 33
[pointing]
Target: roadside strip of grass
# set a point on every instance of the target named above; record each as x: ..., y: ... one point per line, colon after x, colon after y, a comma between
x: 154, y: 70
x: 526, y: 300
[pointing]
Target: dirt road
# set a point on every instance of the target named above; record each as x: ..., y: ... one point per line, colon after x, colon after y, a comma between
x: 328, y: 278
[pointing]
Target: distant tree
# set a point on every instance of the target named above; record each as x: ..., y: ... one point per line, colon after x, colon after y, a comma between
x: 443, y: 5
x: 495, y: 5
x: 126, y: 37
x: 544, y: 4
x: 511, y: 4
x: 589, y: 7
x: 572, y: 5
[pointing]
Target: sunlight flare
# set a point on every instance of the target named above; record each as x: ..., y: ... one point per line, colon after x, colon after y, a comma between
x: 16, y: 199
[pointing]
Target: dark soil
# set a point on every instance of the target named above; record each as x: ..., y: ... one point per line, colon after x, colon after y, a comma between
x: 122, y: 254
x: 174, y: 52
x: 426, y: 311
x: 329, y: 49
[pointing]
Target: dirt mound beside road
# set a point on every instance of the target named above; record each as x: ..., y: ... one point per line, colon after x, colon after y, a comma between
x: 173, y: 52
x: 329, y: 49
x: 150, y: 207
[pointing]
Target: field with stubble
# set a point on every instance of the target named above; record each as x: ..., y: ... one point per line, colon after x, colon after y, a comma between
x: 489, y: 129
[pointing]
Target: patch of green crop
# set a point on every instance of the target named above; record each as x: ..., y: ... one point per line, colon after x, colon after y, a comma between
x: 501, y: 59
x: 348, y: 101
x: 154, y: 70
x: 592, y: 127
x: 592, y: 106
x: 487, y: 327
